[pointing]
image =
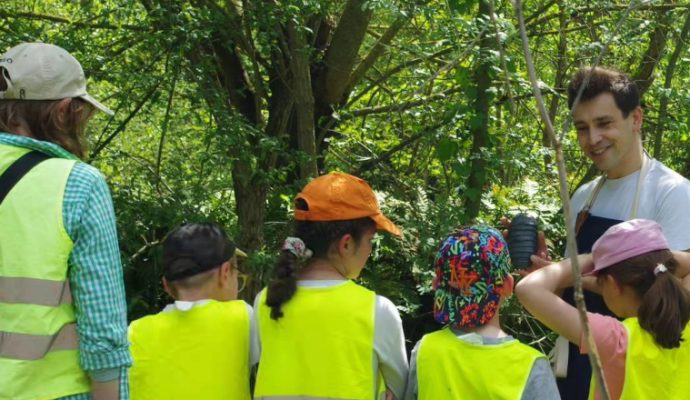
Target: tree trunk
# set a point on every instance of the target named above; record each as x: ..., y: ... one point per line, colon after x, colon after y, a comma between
x: 668, y: 80
x: 480, y: 126
x: 250, y: 197
x: 304, y: 100
x: 657, y: 43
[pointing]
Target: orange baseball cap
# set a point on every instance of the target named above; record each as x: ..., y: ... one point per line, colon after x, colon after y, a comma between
x: 338, y: 196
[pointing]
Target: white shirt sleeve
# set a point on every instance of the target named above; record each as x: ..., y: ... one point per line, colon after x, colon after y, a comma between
x: 256, y: 338
x: 673, y: 214
x: 389, y: 346
x: 254, y: 346
x: 412, y: 389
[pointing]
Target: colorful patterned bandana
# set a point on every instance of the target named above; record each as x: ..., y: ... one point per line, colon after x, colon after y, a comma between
x: 472, y: 265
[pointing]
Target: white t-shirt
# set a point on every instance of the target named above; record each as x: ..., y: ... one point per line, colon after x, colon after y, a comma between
x: 664, y: 198
x: 389, y: 338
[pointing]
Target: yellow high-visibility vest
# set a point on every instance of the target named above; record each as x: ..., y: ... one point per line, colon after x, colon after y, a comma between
x: 652, y: 372
x: 323, y: 346
x: 39, y: 347
x: 202, y: 353
x: 450, y: 368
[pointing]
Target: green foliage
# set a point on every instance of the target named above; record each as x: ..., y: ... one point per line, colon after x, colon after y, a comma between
x: 174, y: 150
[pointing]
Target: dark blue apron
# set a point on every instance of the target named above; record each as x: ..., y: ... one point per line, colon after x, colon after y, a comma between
x: 576, y: 385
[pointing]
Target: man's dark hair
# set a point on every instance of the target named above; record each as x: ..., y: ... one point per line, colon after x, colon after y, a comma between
x: 605, y: 80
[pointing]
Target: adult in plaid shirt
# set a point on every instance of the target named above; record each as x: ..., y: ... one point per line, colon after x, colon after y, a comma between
x: 63, y: 328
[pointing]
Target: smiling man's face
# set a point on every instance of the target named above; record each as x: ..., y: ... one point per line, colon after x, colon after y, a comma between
x: 609, y: 139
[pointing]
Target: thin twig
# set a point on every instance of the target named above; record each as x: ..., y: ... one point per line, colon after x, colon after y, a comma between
x: 572, y: 247
x: 166, y: 118
x: 143, y: 249
x: 94, y: 154
x: 79, y: 24
x: 502, y: 54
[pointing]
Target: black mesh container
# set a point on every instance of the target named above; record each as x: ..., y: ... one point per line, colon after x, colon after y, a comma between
x: 522, y: 239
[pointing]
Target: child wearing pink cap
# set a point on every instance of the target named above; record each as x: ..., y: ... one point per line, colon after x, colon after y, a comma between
x: 644, y: 283
x: 471, y: 357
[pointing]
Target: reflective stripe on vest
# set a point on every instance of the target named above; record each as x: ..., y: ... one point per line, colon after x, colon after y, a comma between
x: 202, y: 353
x: 34, y: 291
x: 450, y: 368
x: 21, y: 346
x: 322, y: 347
x: 39, y: 355
x: 652, y: 372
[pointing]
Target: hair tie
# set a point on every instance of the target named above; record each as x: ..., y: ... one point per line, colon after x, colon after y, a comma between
x: 297, y: 247
x: 660, y: 269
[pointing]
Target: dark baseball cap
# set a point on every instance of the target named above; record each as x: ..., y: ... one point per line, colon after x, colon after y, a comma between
x: 193, y: 248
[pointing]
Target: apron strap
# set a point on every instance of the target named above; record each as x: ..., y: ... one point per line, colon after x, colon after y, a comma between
x: 584, y: 212
x: 640, y: 180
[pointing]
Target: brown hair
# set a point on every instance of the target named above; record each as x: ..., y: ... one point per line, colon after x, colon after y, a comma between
x: 318, y: 237
x: 42, y: 118
x: 605, y: 80
x: 665, y: 304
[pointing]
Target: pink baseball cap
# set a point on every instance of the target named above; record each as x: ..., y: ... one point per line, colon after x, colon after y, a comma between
x: 626, y: 240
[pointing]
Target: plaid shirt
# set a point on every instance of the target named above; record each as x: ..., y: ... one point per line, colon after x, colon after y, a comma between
x: 95, y: 269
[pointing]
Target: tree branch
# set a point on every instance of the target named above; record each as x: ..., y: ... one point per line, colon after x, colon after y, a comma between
x: 668, y: 80
x: 405, y: 65
x: 342, y: 52
x: 377, y: 51
x: 102, y: 145
x: 402, y: 106
x: 303, y: 99
x: 62, y: 20
x: 386, y: 155
x: 645, y: 73
x: 584, y: 10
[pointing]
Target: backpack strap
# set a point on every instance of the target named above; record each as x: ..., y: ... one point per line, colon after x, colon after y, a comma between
x: 18, y: 169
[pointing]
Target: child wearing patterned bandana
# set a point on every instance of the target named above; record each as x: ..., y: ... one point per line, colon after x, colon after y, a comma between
x: 471, y: 357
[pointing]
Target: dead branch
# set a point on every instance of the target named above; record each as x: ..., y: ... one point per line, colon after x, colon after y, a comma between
x: 62, y: 20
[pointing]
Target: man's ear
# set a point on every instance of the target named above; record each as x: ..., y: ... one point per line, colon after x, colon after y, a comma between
x: 638, y: 117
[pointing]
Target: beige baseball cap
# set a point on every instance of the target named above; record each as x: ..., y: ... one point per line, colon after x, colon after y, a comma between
x: 40, y: 71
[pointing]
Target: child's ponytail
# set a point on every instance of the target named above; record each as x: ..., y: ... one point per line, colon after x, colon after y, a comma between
x: 284, y: 283
x: 665, y: 304
x: 665, y: 308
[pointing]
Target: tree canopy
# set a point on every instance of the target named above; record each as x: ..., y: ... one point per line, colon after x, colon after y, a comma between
x: 225, y: 108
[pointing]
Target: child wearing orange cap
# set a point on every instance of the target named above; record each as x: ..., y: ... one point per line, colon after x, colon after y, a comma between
x: 631, y: 265
x: 472, y: 357
x: 322, y: 335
